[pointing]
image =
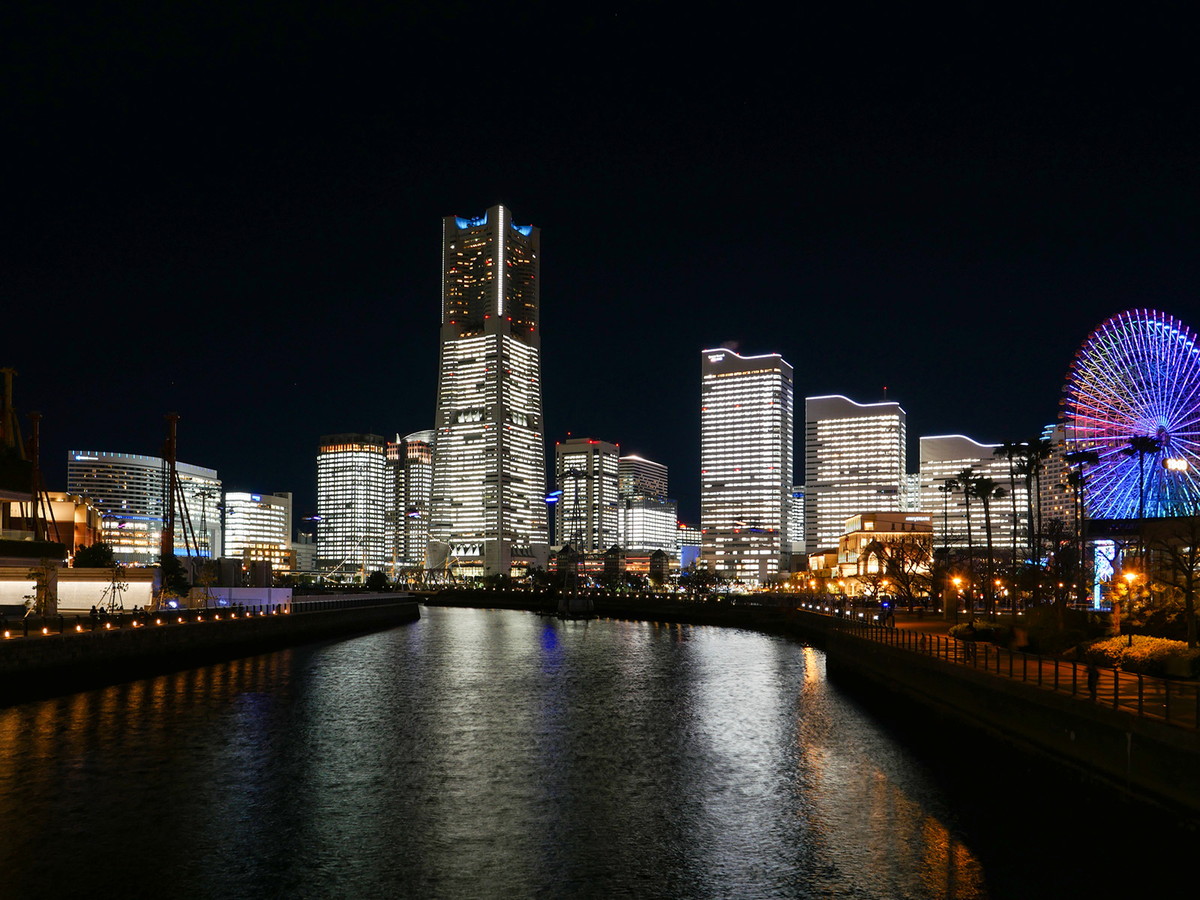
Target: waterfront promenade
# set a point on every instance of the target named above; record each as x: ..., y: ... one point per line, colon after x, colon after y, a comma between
x: 1175, y: 701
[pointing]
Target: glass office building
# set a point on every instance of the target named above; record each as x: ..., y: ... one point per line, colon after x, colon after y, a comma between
x: 587, y: 514
x: 745, y: 464
x: 130, y: 491
x: 488, y: 510
x: 258, y: 527
x: 854, y: 462
x: 352, y: 496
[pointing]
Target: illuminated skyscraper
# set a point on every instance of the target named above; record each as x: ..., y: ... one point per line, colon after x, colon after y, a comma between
x: 649, y: 519
x: 745, y: 463
x: 410, y: 465
x: 351, y: 501
x: 586, y: 516
x: 259, y: 527
x: 489, y: 478
x: 130, y: 492
x: 854, y: 462
x: 943, y: 457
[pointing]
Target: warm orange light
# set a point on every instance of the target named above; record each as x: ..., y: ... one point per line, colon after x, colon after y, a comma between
x: 1130, y: 577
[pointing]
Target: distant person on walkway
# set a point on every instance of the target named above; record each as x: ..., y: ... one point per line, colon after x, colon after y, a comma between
x: 1093, y: 678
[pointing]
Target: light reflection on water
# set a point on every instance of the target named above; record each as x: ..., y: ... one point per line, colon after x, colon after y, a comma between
x: 478, y: 753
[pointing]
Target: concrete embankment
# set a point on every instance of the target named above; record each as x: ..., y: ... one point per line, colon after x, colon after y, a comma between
x: 45, y: 665
x: 1142, y: 759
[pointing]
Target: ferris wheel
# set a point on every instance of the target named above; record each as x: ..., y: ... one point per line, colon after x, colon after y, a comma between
x: 1133, y: 397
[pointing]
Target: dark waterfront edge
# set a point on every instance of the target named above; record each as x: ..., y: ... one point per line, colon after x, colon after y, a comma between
x: 39, y: 667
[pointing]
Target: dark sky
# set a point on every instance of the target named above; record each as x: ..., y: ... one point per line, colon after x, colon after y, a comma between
x: 233, y: 211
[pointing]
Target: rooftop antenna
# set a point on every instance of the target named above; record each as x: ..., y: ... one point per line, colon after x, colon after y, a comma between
x: 10, y: 428
x: 885, y: 393
x: 40, y: 511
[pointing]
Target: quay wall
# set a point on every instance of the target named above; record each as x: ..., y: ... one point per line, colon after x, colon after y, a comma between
x: 1140, y: 758
x: 45, y: 665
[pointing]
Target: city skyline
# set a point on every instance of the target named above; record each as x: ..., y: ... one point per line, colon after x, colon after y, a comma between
x: 886, y: 207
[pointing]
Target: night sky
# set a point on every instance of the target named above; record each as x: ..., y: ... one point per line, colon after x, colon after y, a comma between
x: 233, y: 211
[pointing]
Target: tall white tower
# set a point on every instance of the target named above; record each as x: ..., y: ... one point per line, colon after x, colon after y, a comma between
x: 854, y: 462
x: 488, y: 509
x: 351, y: 501
x: 745, y: 463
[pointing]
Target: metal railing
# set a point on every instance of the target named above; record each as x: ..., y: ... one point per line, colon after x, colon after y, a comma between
x: 1146, y: 696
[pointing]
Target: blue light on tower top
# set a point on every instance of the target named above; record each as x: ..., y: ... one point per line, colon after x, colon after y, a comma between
x: 471, y: 223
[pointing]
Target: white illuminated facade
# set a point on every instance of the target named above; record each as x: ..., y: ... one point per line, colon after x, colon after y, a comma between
x: 488, y: 511
x: 745, y: 464
x: 796, y: 519
x: 1056, y: 495
x: 130, y: 491
x: 641, y: 477
x: 352, y: 495
x: 943, y: 457
x: 649, y: 519
x: 258, y: 527
x: 854, y: 462
x: 586, y: 516
x: 410, y: 467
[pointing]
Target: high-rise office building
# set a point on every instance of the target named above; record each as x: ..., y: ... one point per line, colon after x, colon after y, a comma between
x: 586, y: 516
x: 640, y: 477
x: 130, y: 491
x: 796, y: 519
x: 854, y: 462
x: 943, y: 457
x: 410, y: 464
x: 352, y: 497
x: 489, y: 478
x: 745, y: 463
x: 649, y: 518
x: 1056, y: 496
x: 258, y: 527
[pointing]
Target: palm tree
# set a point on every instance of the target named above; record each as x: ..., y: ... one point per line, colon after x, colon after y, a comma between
x: 1080, y: 459
x: 965, y: 482
x: 1032, y: 456
x: 1140, y: 445
x: 1011, y: 450
x: 986, y: 490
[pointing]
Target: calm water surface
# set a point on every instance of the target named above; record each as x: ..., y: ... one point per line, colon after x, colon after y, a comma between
x: 494, y: 754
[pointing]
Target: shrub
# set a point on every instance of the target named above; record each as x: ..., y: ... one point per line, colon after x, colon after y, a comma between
x: 1148, y: 655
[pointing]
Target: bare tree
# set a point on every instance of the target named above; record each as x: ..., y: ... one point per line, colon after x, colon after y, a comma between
x: 1174, y: 547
